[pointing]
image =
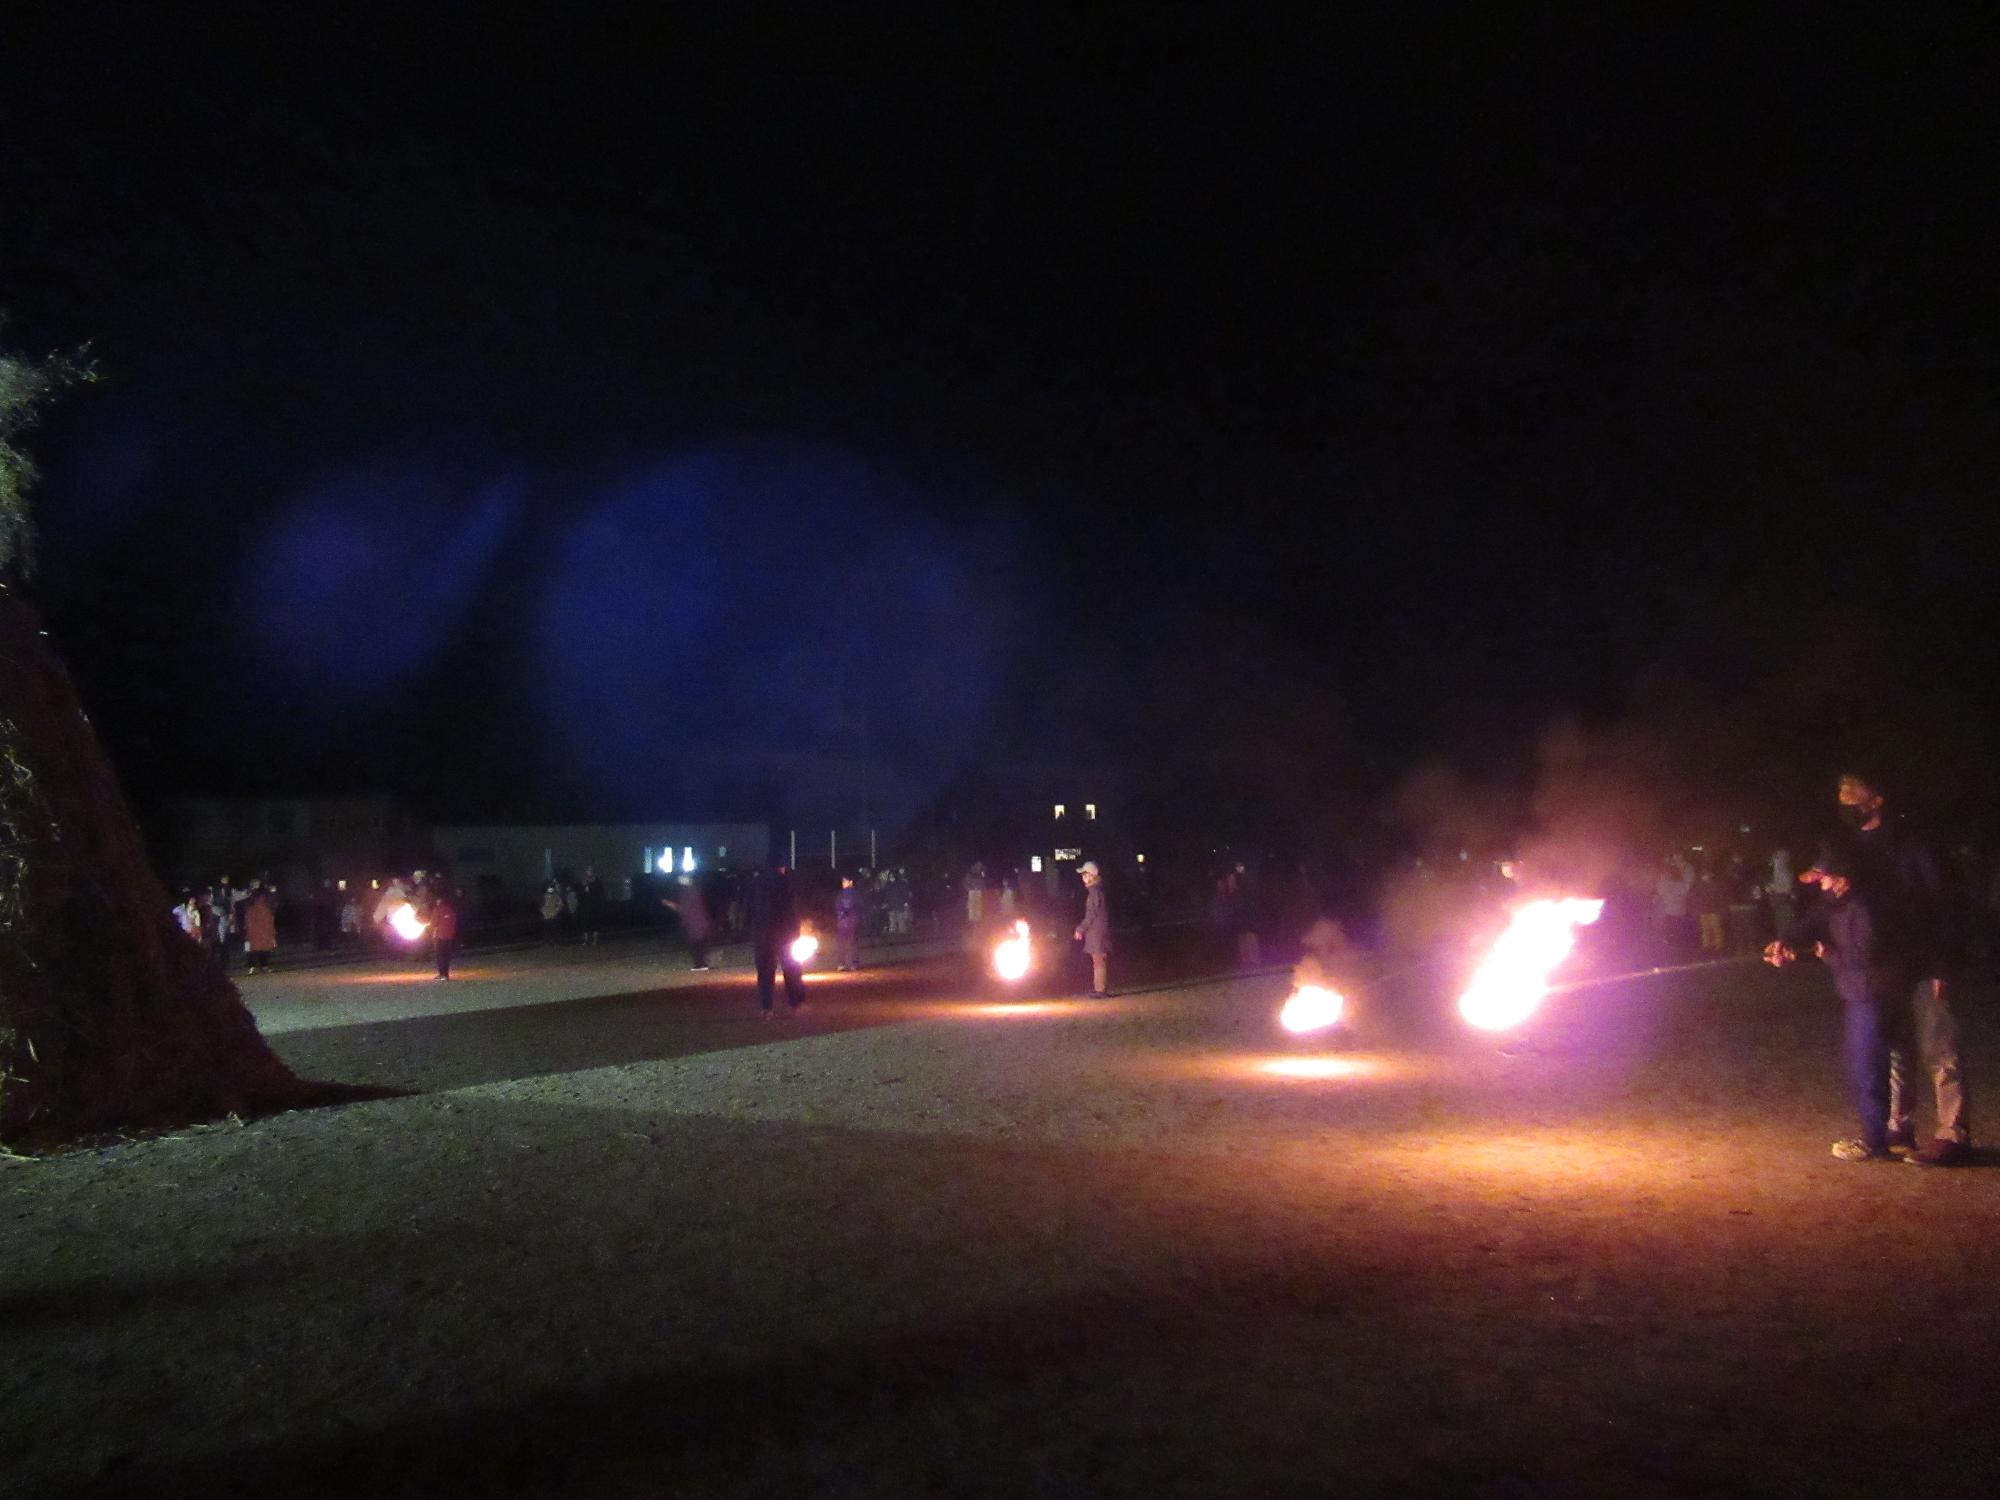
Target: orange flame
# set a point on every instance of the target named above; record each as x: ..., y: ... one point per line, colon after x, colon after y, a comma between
x: 1012, y: 955
x: 804, y: 946
x: 1507, y: 987
x: 1313, y: 1007
x: 409, y: 926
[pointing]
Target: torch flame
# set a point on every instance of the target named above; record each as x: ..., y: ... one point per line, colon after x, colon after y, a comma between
x: 1313, y: 1007
x: 1011, y: 955
x: 409, y: 926
x: 804, y: 946
x: 1508, y: 986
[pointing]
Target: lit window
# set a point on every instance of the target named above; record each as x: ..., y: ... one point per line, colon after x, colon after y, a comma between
x: 687, y: 860
x: 666, y: 861
x: 1090, y: 811
x: 1034, y: 864
x: 1069, y: 854
x: 1060, y: 809
x: 1141, y: 858
x: 646, y: 860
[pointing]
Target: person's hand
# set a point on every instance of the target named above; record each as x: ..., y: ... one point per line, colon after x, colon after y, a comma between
x: 1078, y: 935
x: 1777, y: 955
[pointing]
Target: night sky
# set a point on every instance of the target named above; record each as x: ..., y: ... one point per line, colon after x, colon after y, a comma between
x: 500, y: 400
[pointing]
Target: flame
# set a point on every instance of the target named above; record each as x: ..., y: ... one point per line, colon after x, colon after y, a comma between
x: 1313, y: 1007
x: 409, y: 926
x: 1508, y: 986
x: 804, y: 946
x: 1012, y: 955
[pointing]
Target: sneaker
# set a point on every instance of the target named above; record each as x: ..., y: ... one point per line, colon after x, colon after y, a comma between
x: 1942, y: 1152
x: 1857, y: 1150
x: 1901, y: 1143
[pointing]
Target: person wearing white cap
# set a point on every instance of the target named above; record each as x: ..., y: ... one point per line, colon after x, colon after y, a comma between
x: 1094, y: 931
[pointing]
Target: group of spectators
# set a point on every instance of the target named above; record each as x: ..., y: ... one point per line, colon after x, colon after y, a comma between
x: 225, y: 916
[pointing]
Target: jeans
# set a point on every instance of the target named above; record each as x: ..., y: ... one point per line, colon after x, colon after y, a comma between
x: 1873, y: 1030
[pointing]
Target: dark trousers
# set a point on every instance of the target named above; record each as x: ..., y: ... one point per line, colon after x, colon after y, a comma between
x: 698, y: 950
x: 847, y: 946
x: 1873, y: 1024
x: 445, y: 948
x: 770, y: 958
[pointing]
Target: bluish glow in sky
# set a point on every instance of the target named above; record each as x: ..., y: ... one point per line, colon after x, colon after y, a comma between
x: 769, y: 598
x: 360, y: 583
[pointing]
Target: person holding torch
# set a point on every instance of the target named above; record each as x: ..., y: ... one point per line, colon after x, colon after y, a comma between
x: 1858, y: 929
x: 1094, y: 931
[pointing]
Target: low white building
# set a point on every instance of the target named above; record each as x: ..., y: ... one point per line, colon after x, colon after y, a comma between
x: 518, y: 858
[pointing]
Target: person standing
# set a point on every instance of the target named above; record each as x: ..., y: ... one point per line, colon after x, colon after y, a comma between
x: 691, y: 907
x: 847, y: 912
x: 1094, y: 931
x: 975, y: 894
x: 552, y: 913
x: 260, y: 930
x: 773, y: 918
x: 187, y: 915
x: 1856, y: 929
x: 1670, y: 906
x: 444, y: 930
x: 1935, y: 921
x: 590, y: 905
x: 223, y: 920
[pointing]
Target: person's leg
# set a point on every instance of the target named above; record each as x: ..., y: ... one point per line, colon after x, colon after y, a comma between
x: 698, y: 953
x: 1937, y: 1044
x: 1099, y: 967
x: 1866, y: 1055
x: 795, y: 980
x: 767, y: 972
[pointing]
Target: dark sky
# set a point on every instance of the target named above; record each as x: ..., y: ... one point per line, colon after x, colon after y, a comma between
x: 494, y: 395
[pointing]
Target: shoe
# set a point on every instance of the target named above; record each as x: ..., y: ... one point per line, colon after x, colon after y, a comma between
x: 697, y: 968
x: 1100, y: 994
x: 1901, y: 1143
x: 1942, y: 1152
x: 1857, y: 1150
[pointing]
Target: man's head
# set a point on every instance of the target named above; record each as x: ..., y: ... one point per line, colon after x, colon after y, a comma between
x: 1088, y: 870
x: 1860, y: 799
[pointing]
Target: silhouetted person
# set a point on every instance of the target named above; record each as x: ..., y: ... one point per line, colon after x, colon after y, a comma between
x: 1094, y: 931
x: 771, y: 911
x: 1857, y: 928
x: 847, y: 913
x: 444, y: 931
x: 1935, y: 919
x: 687, y: 902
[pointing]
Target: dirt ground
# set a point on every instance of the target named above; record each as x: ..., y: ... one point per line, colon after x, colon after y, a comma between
x: 622, y: 1238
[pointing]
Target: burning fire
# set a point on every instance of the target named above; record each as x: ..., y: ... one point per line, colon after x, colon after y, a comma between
x: 1313, y: 1007
x: 1012, y: 955
x: 1508, y: 986
x: 804, y: 946
x: 409, y: 926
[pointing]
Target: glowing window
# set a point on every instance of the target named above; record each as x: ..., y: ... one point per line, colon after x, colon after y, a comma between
x: 687, y: 860
x: 1060, y: 809
x: 1090, y: 811
x: 1034, y: 864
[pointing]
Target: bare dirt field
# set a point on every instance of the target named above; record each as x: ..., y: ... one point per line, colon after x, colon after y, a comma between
x: 623, y: 1238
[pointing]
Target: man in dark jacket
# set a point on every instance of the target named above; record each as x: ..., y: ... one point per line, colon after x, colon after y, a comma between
x: 1862, y: 930
x: 771, y: 912
x: 1094, y: 931
x: 1936, y: 923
